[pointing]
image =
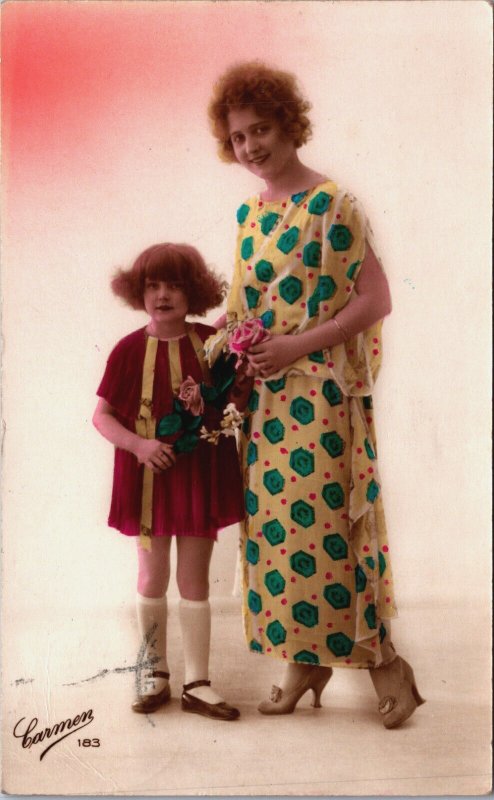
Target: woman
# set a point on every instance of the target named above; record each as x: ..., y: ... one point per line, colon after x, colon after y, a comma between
x: 317, y: 578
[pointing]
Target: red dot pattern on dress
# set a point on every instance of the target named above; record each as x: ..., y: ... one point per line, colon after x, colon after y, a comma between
x: 365, y: 548
x: 385, y: 548
x: 252, y: 224
x: 297, y: 486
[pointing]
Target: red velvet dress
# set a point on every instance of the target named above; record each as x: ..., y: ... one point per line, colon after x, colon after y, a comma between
x: 202, y: 492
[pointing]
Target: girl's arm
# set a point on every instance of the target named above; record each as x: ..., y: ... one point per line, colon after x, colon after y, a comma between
x: 369, y: 303
x: 154, y: 454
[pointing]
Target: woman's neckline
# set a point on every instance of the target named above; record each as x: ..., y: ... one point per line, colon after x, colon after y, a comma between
x: 288, y: 198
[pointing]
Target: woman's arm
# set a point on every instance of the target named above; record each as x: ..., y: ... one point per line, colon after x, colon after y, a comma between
x: 220, y: 322
x: 369, y: 303
x: 154, y: 454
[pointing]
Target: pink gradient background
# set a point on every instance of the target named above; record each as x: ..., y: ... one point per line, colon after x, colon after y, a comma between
x: 106, y: 149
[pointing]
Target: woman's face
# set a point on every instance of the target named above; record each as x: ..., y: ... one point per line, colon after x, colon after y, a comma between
x: 259, y: 143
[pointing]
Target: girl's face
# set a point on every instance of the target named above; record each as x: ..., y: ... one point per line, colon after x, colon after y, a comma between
x: 166, y: 303
x: 259, y: 144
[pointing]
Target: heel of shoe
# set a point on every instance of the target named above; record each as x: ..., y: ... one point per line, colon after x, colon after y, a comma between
x: 410, y: 677
x: 318, y: 687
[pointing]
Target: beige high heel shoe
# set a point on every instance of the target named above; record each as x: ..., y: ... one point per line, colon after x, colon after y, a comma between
x: 397, y: 691
x: 281, y: 702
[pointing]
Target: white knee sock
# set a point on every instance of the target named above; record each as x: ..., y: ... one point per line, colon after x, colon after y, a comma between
x: 151, y: 621
x: 195, y: 622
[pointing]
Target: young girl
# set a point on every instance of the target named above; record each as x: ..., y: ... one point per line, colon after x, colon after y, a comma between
x: 188, y: 489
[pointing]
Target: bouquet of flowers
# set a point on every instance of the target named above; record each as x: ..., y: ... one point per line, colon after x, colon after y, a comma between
x: 225, y: 352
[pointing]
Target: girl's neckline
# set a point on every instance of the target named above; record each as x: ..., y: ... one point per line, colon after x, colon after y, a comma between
x: 288, y: 198
x: 168, y: 338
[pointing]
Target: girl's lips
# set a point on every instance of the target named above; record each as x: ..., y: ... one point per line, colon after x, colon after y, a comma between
x: 164, y: 308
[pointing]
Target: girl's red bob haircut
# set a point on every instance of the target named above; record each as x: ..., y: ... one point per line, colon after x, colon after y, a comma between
x: 173, y: 263
x: 273, y: 93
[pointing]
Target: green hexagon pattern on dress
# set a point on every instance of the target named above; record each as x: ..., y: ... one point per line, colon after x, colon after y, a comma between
x: 274, y: 532
x: 252, y: 551
x: 276, y: 633
x: 333, y: 443
x: 302, y: 410
x: 305, y: 613
x: 288, y: 240
x: 302, y: 462
x: 335, y: 546
x: 334, y: 495
x: 290, y: 289
x: 302, y: 513
x: 264, y: 271
x: 332, y: 392
x: 340, y: 237
x: 303, y: 563
x: 274, y: 481
x: 275, y: 582
x: 274, y: 430
x: 337, y: 596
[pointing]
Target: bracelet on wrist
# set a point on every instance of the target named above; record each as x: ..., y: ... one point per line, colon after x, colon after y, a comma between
x: 341, y: 329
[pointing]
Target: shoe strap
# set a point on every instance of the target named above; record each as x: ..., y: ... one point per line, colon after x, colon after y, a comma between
x: 195, y: 684
x: 157, y: 673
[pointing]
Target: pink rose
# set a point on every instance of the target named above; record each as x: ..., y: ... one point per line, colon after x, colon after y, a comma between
x: 190, y: 397
x: 246, y: 334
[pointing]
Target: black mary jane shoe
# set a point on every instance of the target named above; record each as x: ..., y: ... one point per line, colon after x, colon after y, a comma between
x: 147, y: 703
x: 195, y: 705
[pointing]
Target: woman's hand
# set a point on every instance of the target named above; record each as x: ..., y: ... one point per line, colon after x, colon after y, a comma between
x: 154, y: 454
x: 272, y: 354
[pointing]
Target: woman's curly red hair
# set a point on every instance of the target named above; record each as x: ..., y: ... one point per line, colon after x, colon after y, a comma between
x: 174, y: 263
x: 271, y: 92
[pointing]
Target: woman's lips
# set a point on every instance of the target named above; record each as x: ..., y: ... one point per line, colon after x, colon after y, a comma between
x: 259, y: 160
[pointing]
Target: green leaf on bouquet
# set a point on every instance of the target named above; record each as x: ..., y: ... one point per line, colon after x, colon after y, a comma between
x: 168, y: 425
x: 186, y: 443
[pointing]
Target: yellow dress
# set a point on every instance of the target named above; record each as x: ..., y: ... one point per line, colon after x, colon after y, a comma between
x: 317, y: 584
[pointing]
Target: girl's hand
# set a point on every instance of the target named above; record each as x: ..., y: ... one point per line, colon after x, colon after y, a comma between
x: 155, y: 455
x: 272, y: 354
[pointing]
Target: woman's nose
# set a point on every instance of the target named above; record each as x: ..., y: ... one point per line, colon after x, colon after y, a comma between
x: 251, y: 144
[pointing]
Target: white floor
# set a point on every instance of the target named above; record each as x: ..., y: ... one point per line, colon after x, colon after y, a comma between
x: 57, y: 669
